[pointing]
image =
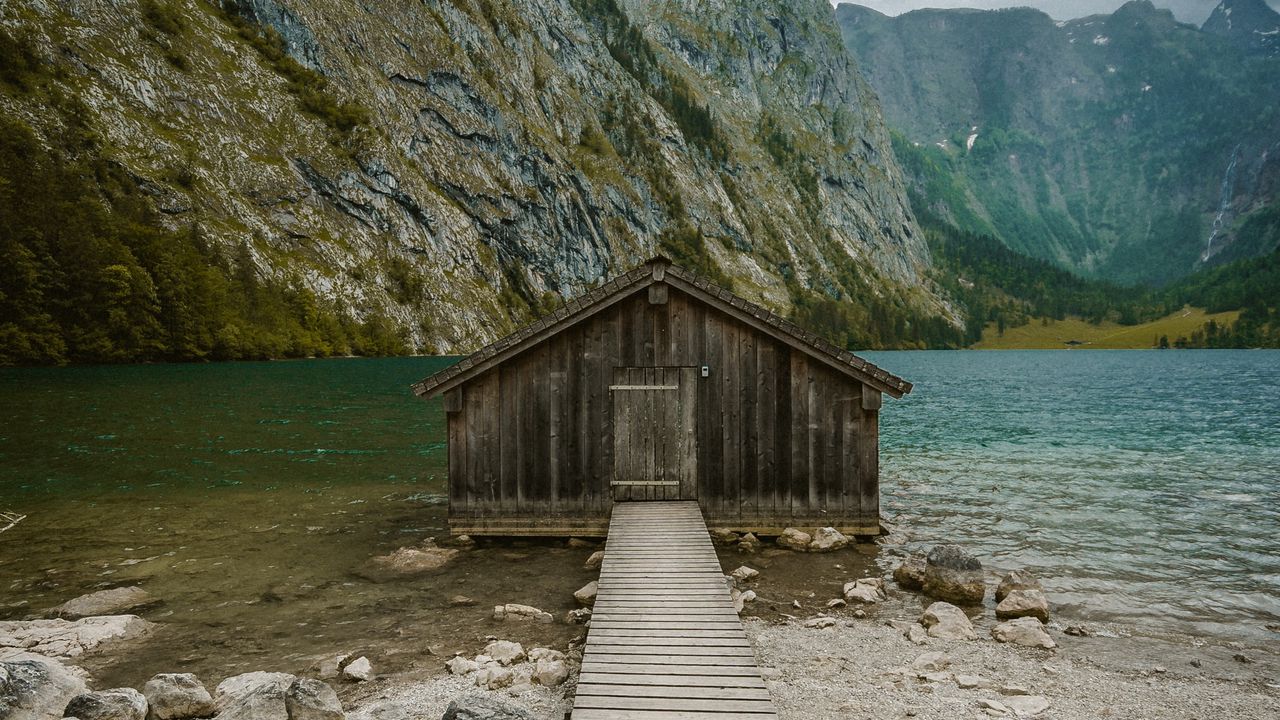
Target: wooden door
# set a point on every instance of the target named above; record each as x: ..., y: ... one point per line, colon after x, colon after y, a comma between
x: 655, y: 443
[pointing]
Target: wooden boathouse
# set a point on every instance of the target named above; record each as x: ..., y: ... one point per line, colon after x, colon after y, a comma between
x: 660, y: 385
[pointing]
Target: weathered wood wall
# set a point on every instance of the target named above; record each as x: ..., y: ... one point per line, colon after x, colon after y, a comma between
x: 782, y: 439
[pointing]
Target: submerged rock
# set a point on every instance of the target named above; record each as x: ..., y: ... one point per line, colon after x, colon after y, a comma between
x: 794, y: 539
x: 1026, y: 631
x: 116, y: 601
x: 953, y: 574
x: 309, y: 699
x: 586, y: 595
x: 515, y: 611
x: 113, y: 704
x: 1016, y: 580
x: 33, y: 687
x: 410, y: 561
x: 827, y: 539
x: 1024, y: 603
x: 910, y: 574
x: 947, y: 622
x: 865, y: 590
x: 69, y: 639
x: 484, y: 707
x: 174, y: 696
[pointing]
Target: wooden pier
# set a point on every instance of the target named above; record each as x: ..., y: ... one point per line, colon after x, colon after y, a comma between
x: 665, y: 641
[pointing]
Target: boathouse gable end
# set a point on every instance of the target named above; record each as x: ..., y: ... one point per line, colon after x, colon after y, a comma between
x: 661, y: 386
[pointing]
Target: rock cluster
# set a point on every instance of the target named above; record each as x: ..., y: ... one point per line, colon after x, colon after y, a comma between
x: 824, y: 539
x: 505, y: 664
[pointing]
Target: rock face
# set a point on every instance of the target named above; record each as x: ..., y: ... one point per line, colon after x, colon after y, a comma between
x: 947, y: 622
x: 507, y: 153
x: 1016, y: 580
x: 1024, y: 603
x: 309, y: 699
x: 794, y: 539
x: 515, y: 611
x: 116, y: 601
x: 114, y: 704
x: 586, y: 595
x: 484, y: 707
x: 910, y: 574
x: 36, y: 688
x: 174, y: 696
x: 69, y: 639
x: 827, y: 539
x: 1026, y: 631
x: 954, y: 575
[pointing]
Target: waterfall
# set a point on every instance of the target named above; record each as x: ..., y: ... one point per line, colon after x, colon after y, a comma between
x: 1224, y: 201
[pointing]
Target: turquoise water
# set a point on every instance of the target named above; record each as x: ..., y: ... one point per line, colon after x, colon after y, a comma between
x: 250, y: 497
x: 1143, y: 486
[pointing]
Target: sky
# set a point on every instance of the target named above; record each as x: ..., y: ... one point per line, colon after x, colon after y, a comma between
x: 1192, y: 11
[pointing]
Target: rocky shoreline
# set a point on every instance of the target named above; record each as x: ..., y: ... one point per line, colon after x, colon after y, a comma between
x: 916, y: 644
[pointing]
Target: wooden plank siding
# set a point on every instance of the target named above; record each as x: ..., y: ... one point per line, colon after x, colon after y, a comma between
x: 778, y: 438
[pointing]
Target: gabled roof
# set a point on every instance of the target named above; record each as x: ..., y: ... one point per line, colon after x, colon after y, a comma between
x: 657, y: 270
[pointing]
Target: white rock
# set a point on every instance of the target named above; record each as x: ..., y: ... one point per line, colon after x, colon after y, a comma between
x: 63, y: 639
x: 461, y: 666
x: 819, y: 623
x: 947, y: 622
x: 593, y: 562
x: 253, y: 696
x: 1024, y: 603
x: 550, y: 672
x: 360, y: 670
x: 586, y: 595
x: 505, y: 652
x: 515, y: 611
x: 836, y: 603
x: 34, y: 687
x: 171, y: 696
x: 495, y: 678
x: 114, y: 704
x: 411, y: 561
x: 931, y: 662
x: 917, y: 634
x: 972, y: 682
x: 748, y: 596
x: 744, y: 574
x: 1026, y: 631
x: 827, y: 539
x: 866, y: 590
x: 1026, y: 706
x: 794, y: 539
x: 541, y: 653
x: 995, y: 705
x: 580, y: 616
x: 311, y: 699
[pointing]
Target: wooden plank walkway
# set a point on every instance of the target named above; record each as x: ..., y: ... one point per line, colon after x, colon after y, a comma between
x: 665, y: 642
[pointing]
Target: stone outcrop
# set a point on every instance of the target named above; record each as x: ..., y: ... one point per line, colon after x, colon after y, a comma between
x: 951, y: 573
x: 116, y: 601
x: 113, y: 704
x: 947, y: 622
x: 69, y: 639
x: 175, y: 696
x: 33, y: 687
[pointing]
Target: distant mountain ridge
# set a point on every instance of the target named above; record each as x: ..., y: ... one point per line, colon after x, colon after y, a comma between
x: 1128, y: 147
x: 1250, y: 24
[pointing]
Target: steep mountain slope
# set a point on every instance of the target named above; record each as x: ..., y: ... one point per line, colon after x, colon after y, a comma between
x: 1127, y: 147
x: 1250, y: 24
x: 456, y: 165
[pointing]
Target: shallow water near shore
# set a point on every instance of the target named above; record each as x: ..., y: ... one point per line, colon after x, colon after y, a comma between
x: 250, y: 497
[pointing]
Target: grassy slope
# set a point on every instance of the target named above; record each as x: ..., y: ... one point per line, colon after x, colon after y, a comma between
x: 1103, y: 336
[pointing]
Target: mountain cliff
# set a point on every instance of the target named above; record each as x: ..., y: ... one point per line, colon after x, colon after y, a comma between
x: 1129, y: 147
x: 438, y: 171
x: 1249, y: 24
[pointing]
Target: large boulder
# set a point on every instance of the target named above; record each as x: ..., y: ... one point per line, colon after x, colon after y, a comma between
x: 68, y: 639
x: 1016, y: 580
x: 358, y: 670
x: 1024, y: 603
x: 116, y: 601
x: 114, y: 704
x: 794, y: 539
x: 910, y: 574
x: 951, y: 573
x: 309, y: 699
x: 253, y: 696
x: 945, y: 621
x: 484, y: 707
x: 827, y: 539
x: 1026, y: 631
x: 174, y: 696
x: 33, y: 687
x: 550, y: 672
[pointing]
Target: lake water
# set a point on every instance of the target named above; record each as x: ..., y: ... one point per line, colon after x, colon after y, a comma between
x: 1142, y: 486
